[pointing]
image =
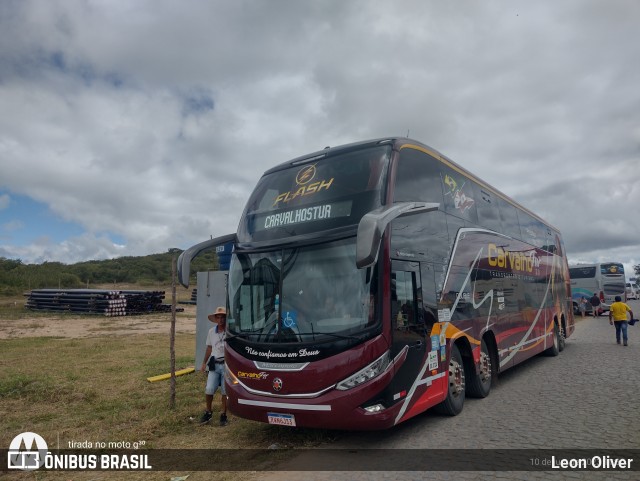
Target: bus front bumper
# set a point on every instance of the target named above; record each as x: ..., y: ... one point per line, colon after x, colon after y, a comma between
x: 334, y: 409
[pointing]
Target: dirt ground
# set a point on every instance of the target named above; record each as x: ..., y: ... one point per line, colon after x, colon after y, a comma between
x: 80, y: 326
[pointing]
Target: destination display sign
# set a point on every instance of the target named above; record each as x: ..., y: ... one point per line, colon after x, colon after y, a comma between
x: 302, y: 215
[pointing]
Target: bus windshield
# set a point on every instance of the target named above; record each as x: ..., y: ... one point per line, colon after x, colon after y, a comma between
x: 582, y: 272
x: 322, y: 295
x: 316, y: 196
x: 612, y: 268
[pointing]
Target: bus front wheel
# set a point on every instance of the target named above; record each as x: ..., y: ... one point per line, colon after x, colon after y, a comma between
x: 454, y: 402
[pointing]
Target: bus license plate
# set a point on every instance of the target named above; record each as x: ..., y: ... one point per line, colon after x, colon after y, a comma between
x: 281, y: 419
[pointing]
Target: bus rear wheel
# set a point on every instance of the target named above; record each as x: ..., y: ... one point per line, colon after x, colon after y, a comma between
x: 480, y: 383
x: 454, y: 402
x: 561, y: 339
x: 554, y: 350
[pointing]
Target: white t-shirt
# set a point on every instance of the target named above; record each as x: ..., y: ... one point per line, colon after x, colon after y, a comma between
x: 215, y: 339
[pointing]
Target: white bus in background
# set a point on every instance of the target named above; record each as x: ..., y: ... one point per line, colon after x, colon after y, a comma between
x: 605, y: 279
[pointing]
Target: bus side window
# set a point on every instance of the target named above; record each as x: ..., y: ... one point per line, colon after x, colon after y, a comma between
x: 509, y: 219
x: 487, y: 206
x: 403, y: 300
x: 417, y: 178
x: 457, y: 296
x: 532, y: 230
x: 454, y: 224
x: 429, y: 302
x: 459, y: 195
x: 424, y: 235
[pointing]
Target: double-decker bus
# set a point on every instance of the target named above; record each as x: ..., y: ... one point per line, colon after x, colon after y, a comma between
x: 605, y: 279
x: 372, y: 281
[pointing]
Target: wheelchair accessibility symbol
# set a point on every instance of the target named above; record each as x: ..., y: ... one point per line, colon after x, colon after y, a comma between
x: 290, y: 319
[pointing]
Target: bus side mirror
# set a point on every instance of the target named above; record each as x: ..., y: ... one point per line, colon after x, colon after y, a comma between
x: 184, y: 261
x: 373, y: 224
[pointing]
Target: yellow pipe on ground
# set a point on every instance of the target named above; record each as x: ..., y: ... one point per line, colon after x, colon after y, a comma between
x: 162, y: 377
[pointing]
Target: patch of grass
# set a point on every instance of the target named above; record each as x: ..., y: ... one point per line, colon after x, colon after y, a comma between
x: 96, y: 389
x: 16, y: 310
x: 35, y: 325
x: 104, y: 328
x: 20, y: 385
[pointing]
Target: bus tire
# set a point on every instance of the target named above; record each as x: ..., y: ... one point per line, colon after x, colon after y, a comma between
x: 454, y: 402
x: 562, y: 338
x: 479, y: 385
x: 554, y: 350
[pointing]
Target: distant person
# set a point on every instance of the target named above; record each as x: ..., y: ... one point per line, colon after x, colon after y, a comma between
x: 369, y: 306
x: 330, y: 308
x: 583, y: 306
x: 214, y: 360
x: 618, y: 316
x: 333, y: 308
x: 595, y: 303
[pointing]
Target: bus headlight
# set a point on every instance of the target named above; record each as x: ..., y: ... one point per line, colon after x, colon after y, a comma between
x: 376, y: 408
x: 374, y: 369
x: 231, y: 378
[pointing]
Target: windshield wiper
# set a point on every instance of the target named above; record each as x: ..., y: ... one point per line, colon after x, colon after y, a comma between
x: 314, y: 334
x: 243, y: 334
x: 339, y: 336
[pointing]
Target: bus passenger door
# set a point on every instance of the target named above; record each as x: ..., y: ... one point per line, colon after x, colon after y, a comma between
x: 408, y: 326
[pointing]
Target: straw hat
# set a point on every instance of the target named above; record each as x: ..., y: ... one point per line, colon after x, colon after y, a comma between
x: 220, y: 311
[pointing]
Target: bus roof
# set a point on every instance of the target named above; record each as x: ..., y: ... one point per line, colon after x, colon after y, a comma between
x: 398, y: 143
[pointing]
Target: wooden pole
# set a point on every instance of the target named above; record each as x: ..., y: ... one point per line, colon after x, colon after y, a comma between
x: 172, y: 342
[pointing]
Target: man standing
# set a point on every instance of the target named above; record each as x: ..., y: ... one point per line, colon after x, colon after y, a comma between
x: 618, y: 316
x: 595, y: 303
x: 214, y: 360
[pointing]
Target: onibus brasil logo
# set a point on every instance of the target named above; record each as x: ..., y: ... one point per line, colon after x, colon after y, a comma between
x: 27, y: 451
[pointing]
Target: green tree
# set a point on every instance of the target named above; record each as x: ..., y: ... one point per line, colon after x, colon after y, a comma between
x: 17, y: 277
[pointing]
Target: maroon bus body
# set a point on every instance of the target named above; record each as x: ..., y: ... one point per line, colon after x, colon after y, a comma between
x: 305, y: 394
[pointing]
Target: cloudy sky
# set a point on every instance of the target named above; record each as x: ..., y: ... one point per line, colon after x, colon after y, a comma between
x: 130, y: 127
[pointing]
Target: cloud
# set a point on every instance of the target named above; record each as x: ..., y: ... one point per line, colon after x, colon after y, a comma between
x: 12, y: 226
x: 151, y: 122
x: 5, y: 200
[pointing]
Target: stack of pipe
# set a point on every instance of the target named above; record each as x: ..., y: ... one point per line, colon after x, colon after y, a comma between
x: 97, y: 301
x: 194, y: 297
